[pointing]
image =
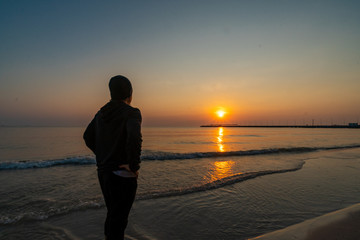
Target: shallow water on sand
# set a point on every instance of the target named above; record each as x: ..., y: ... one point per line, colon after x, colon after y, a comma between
x: 193, y: 182
x: 327, y: 182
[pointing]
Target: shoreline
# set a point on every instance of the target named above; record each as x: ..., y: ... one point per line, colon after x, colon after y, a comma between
x: 341, y: 224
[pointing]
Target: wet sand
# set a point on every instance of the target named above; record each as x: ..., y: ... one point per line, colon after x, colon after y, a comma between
x: 343, y: 224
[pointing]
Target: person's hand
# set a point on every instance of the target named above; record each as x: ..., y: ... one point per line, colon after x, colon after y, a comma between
x: 126, y: 166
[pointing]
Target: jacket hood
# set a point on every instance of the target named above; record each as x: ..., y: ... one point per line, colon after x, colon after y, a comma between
x: 113, y: 110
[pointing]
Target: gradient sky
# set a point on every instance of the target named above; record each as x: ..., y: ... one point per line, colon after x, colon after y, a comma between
x: 262, y: 61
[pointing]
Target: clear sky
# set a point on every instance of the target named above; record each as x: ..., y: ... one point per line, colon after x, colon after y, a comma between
x: 261, y: 61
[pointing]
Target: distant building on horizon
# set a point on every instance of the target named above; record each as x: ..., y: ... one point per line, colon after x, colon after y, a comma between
x: 353, y: 124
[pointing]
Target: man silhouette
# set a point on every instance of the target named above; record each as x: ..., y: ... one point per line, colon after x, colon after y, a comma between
x: 114, y: 135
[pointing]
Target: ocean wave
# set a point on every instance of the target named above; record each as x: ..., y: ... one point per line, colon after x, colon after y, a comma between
x: 85, y: 160
x: 162, y: 156
x: 53, y: 211
x: 215, y: 184
x: 179, y: 156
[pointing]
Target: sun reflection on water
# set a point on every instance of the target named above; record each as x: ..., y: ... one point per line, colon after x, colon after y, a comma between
x: 220, y: 139
x: 222, y: 169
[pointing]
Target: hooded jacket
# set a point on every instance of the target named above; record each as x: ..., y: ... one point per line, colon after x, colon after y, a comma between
x: 114, y: 135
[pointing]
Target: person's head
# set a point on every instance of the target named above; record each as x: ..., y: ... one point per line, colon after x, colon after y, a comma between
x: 120, y: 89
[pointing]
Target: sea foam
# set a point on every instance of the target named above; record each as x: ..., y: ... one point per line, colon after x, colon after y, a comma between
x: 162, y: 156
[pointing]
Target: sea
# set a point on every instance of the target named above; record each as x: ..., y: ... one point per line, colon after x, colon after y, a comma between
x: 194, y: 183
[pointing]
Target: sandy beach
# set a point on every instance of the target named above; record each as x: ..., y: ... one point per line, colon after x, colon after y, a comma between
x: 339, y: 225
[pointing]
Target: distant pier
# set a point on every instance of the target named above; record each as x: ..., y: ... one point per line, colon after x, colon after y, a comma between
x: 283, y: 126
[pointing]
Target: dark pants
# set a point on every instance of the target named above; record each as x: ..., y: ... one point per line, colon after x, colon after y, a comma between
x: 119, y: 194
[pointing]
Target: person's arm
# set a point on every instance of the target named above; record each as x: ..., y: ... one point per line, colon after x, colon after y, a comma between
x: 134, y: 140
x: 89, y: 136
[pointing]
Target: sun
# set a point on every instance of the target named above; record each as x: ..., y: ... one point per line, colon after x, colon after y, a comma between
x: 220, y: 113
